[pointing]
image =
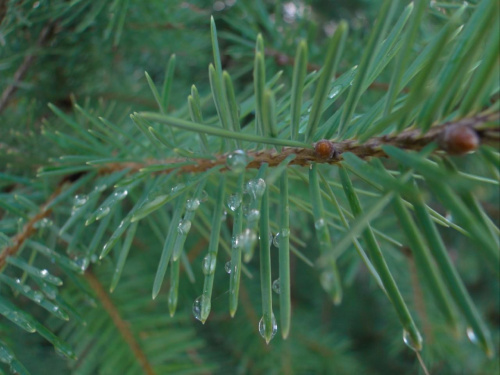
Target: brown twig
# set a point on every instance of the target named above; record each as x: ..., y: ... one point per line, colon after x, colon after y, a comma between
x: 28, y: 229
x: 121, y: 325
x: 10, y: 90
x: 411, y: 139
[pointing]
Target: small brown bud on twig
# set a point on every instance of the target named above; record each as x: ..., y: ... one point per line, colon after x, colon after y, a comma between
x: 459, y: 140
x: 325, y: 149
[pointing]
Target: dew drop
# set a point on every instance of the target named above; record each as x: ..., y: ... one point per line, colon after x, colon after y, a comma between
x: 101, y: 212
x: 234, y: 201
x: 472, y: 335
x: 253, y: 215
x: 256, y: 187
x: 334, y: 91
x: 247, y: 237
x: 262, y: 328
x: 235, y: 242
x: 276, y: 286
x: 79, y: 200
x: 208, y: 264
x: 408, y: 340
x: 82, y: 262
x: 276, y: 240
x: 327, y: 280
x: 38, y: 297
x: 184, y: 226
x: 192, y: 204
x: 177, y: 188
x: 44, y: 273
x: 198, y: 302
x: 227, y: 267
x: 5, y: 356
x: 237, y: 161
x: 285, y: 232
x: 320, y: 223
x: 120, y: 194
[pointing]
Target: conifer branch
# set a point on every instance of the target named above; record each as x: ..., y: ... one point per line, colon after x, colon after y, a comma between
x: 118, y: 321
x: 412, y: 139
x: 10, y: 90
x: 29, y: 228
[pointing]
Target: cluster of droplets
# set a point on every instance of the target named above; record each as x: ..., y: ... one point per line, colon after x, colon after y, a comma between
x: 237, y: 161
x: 262, y: 328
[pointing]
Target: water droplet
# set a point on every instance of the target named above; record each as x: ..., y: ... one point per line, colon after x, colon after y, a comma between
x: 408, y: 340
x: 184, y: 226
x: 320, y: 223
x: 18, y: 281
x: 5, y: 356
x: 100, y: 187
x: 198, y: 302
x: 237, y: 161
x: 101, y: 212
x: 192, y: 204
x: 253, y: 215
x: 256, y: 187
x: 334, y: 91
x: 276, y: 240
x: 247, y: 237
x: 285, y: 232
x: 120, y: 194
x: 276, y: 286
x: 82, y: 262
x: 472, y: 335
x: 235, y: 242
x: 262, y: 328
x: 38, y: 296
x: 79, y: 200
x: 177, y: 188
x: 224, y: 216
x: 227, y: 267
x: 44, y: 273
x: 208, y: 264
x: 234, y: 201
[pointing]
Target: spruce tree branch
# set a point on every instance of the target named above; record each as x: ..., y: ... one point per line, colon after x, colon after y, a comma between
x: 10, y: 90
x: 29, y: 228
x: 118, y: 321
x: 412, y: 139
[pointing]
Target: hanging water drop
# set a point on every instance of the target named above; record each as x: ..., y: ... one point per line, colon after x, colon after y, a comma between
x: 184, y: 226
x: 101, y: 212
x: 253, y: 215
x: 262, y: 328
x: 79, y: 200
x: 120, y: 194
x: 320, y: 223
x: 276, y: 286
x: 408, y: 340
x: 197, y: 307
x: 472, y: 335
x: 247, y: 237
x: 256, y: 187
x: 177, y: 188
x: 227, y: 267
x: 208, y: 264
x: 276, y: 240
x: 237, y: 161
x: 192, y: 204
x: 234, y: 201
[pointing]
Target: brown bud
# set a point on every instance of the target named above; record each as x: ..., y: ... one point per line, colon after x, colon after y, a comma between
x: 459, y: 140
x: 325, y: 149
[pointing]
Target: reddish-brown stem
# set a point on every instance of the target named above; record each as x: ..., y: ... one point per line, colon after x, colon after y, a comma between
x: 122, y: 326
